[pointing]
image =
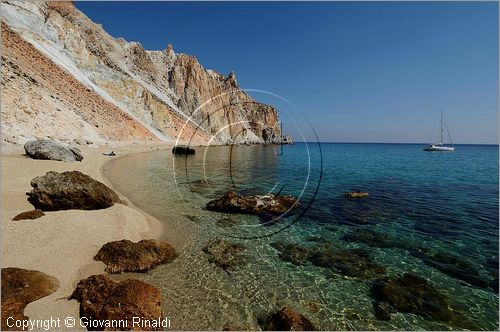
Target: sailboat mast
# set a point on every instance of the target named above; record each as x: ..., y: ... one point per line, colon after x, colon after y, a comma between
x: 441, y: 126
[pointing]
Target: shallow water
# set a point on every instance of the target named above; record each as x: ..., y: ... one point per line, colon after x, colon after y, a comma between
x: 423, y: 203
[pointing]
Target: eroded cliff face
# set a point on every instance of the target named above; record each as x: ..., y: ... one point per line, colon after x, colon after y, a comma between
x: 163, y: 95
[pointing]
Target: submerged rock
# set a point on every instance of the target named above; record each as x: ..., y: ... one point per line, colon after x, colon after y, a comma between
x: 127, y: 256
x: 356, y: 194
x: 366, y: 211
x: 287, y: 319
x: 32, y: 214
x: 351, y: 262
x: 70, y: 190
x: 492, y: 263
x: 440, y: 228
x: 413, y: 294
x: 253, y: 204
x: 50, y: 150
x: 20, y: 287
x: 455, y: 267
x: 292, y: 253
x: 372, y: 239
x: 225, y: 222
x: 102, y: 298
x: 225, y: 254
x: 194, y: 218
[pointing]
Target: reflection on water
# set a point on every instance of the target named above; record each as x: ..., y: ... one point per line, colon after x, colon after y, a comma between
x: 435, y: 215
x: 213, y: 171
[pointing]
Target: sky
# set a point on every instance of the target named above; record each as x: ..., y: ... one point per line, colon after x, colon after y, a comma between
x: 352, y: 71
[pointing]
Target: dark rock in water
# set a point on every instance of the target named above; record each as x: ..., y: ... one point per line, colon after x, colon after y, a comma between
x: 366, y: 211
x: 413, y: 294
x: 492, y: 264
x: 194, y: 218
x: 183, y: 150
x: 382, y: 311
x: 319, y: 239
x: 455, y: 267
x: 351, y: 262
x: 70, y: 190
x: 225, y: 222
x: 101, y: 298
x: 20, y: 287
x: 50, y: 150
x: 438, y: 228
x: 225, y: 254
x: 356, y: 194
x: 287, y: 319
x: 33, y: 214
x: 269, y: 219
x: 372, y: 239
x: 232, y: 202
x: 127, y: 256
x: 199, y: 186
x: 292, y: 253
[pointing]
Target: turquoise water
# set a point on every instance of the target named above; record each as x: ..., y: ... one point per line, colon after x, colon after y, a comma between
x: 430, y: 213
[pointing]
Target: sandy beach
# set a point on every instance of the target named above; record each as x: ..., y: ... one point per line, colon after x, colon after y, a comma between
x: 62, y: 243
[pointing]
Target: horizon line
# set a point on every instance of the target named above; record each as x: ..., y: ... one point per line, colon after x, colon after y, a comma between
x: 414, y: 143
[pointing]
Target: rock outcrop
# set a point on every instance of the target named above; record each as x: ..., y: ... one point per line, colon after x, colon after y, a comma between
x: 33, y: 214
x: 101, y: 298
x: 42, y: 99
x: 50, y: 150
x: 20, y: 287
x: 62, y: 69
x: 253, y: 204
x: 70, y: 190
x: 287, y: 319
x: 127, y: 256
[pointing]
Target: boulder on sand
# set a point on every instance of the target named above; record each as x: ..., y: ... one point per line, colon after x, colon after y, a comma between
x: 70, y: 190
x: 102, y: 298
x: 32, y: 214
x: 127, y: 256
x: 253, y: 204
x: 20, y: 287
x: 287, y: 319
x: 50, y: 150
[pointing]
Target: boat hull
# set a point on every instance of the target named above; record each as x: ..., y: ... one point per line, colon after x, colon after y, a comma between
x: 439, y: 148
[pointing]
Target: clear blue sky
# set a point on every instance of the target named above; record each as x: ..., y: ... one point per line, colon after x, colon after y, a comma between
x: 359, y: 72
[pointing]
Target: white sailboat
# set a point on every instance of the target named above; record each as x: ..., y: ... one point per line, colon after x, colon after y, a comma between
x: 440, y: 146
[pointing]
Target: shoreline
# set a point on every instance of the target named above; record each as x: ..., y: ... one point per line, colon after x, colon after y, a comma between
x: 63, y: 243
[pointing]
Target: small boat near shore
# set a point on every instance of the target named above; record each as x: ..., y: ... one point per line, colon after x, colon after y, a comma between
x: 440, y: 146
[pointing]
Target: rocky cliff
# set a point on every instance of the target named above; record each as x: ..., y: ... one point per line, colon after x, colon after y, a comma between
x: 64, y: 77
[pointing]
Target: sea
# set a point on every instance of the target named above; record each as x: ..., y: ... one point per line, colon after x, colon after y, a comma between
x: 432, y: 214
